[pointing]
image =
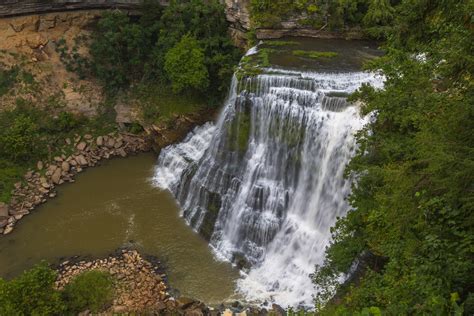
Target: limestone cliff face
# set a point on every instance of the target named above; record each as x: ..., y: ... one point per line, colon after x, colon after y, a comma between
x: 238, y: 15
x: 30, y: 42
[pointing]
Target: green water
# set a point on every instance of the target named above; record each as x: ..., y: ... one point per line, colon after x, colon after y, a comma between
x: 113, y: 206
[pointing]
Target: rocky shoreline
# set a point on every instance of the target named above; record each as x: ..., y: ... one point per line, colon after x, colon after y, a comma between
x: 141, y: 287
x: 39, y: 185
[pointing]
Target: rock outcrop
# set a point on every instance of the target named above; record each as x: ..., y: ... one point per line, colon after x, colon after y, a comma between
x: 26, y: 7
x: 238, y: 15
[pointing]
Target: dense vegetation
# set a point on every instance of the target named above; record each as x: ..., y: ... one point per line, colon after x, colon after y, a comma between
x: 34, y: 293
x: 32, y: 133
x: 411, y: 230
x: 374, y: 16
x: 184, y: 45
x: 174, y: 60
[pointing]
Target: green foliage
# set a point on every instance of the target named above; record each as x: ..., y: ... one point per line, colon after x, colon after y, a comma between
x: 8, y: 78
x: 314, y: 54
x: 118, y: 49
x: 160, y: 104
x: 74, y: 61
x: 126, y: 51
x: 20, y: 139
x: 91, y: 290
x: 32, y: 293
x: 375, y: 15
x: 30, y: 134
x: 412, y: 223
x: 184, y: 65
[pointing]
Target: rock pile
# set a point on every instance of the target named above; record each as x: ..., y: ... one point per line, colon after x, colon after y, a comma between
x: 140, y: 285
x: 39, y: 185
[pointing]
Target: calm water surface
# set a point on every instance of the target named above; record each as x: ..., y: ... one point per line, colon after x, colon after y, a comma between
x: 114, y: 206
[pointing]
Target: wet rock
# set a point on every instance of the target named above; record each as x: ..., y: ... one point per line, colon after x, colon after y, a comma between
x: 7, y: 230
x: 278, y: 310
x: 3, y: 221
x: 184, y: 302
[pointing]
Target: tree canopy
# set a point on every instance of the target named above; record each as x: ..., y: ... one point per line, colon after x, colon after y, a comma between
x: 411, y: 230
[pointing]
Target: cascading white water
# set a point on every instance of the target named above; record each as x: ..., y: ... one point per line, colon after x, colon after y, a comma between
x: 265, y: 183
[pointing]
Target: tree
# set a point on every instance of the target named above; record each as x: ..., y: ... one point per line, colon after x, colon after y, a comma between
x: 412, y: 223
x: 184, y: 65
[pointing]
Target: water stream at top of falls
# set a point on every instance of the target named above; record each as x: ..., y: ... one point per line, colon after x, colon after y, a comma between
x: 265, y: 183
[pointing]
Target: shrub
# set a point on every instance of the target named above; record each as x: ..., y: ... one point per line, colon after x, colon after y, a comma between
x: 32, y: 293
x: 19, y: 140
x: 7, y: 79
x: 184, y: 65
x: 92, y: 290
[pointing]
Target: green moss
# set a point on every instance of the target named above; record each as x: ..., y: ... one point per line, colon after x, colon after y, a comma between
x: 252, y: 65
x: 314, y: 54
x: 214, y: 205
x: 276, y: 43
x: 239, y: 132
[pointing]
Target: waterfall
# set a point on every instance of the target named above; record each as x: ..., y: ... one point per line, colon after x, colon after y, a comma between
x: 265, y: 183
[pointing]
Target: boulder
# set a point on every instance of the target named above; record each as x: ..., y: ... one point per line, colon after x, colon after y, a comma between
x: 3, y: 210
x: 278, y: 310
x: 100, y: 141
x: 3, y: 221
x: 110, y: 142
x: 81, y: 160
x: 65, y: 166
x: 118, y: 143
x: 56, y: 177
x: 8, y: 230
x: 81, y: 146
x: 184, y: 302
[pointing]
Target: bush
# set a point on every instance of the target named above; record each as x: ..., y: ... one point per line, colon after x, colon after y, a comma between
x: 32, y: 293
x: 19, y: 140
x: 184, y: 65
x: 8, y: 78
x: 92, y: 290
